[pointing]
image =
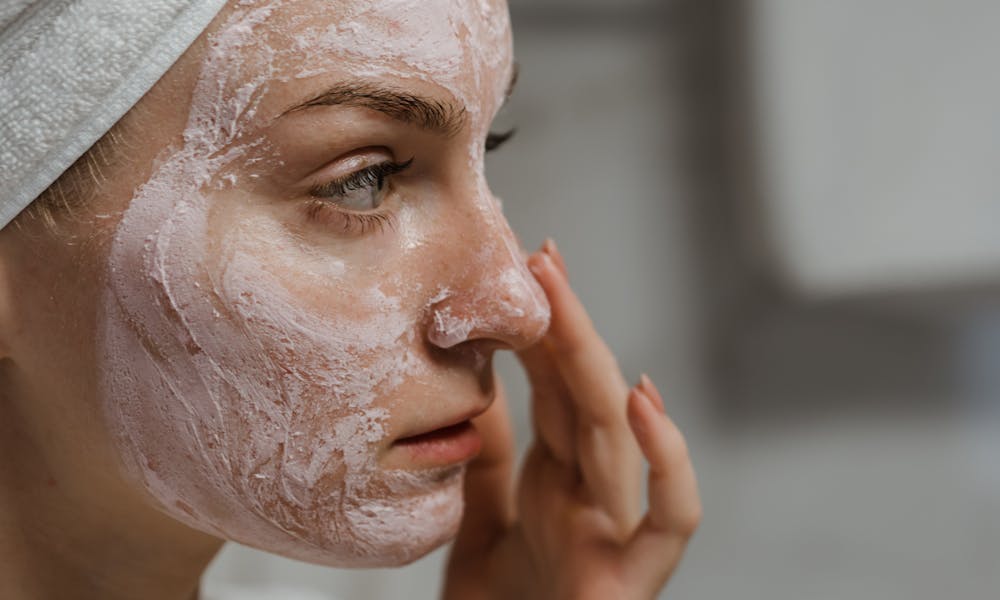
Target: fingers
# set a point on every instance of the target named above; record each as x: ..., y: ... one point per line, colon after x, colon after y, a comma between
x: 549, y: 247
x: 488, y: 479
x: 586, y: 363
x: 545, y: 499
x: 551, y: 407
x: 650, y: 390
x: 674, y: 506
x: 606, y: 452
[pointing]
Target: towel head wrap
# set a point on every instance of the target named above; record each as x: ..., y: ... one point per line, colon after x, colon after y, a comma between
x: 69, y: 70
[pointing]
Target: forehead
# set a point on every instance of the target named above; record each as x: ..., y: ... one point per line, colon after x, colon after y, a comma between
x: 463, y: 46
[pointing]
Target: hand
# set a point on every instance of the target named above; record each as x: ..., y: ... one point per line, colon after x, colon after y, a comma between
x: 573, y: 530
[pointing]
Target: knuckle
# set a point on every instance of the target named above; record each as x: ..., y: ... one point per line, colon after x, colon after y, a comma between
x: 687, y: 523
x: 677, y: 446
x: 581, y: 345
x: 564, y: 336
x: 597, y: 419
x: 572, y: 347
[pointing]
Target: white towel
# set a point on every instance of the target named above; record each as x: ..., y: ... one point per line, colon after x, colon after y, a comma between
x: 69, y: 69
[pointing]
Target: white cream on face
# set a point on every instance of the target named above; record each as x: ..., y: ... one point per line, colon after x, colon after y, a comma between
x: 249, y: 378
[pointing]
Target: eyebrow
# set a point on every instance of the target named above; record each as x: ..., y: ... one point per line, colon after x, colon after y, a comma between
x: 434, y: 115
x: 431, y: 114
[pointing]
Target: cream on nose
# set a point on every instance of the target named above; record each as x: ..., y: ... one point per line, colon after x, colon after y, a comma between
x: 500, y: 301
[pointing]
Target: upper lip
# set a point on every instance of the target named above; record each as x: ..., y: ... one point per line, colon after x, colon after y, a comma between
x: 446, y: 423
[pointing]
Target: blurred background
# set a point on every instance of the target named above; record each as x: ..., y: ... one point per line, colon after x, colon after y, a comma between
x: 787, y: 213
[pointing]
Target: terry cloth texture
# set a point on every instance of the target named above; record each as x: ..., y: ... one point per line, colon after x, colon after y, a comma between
x: 69, y: 69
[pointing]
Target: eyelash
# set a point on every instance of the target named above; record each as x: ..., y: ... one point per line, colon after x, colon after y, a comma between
x: 321, y: 208
x: 495, y: 140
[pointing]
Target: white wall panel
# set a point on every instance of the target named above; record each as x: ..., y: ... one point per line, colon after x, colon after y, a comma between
x: 880, y: 123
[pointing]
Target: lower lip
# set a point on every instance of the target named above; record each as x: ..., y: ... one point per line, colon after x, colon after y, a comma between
x: 447, y: 445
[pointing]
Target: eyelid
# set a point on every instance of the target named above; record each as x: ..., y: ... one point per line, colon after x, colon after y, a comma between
x: 358, y: 177
x: 347, y: 164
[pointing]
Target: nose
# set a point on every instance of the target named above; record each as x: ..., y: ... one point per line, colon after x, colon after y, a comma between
x: 491, y: 295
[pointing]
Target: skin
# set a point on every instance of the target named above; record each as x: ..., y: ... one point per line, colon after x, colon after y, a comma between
x: 263, y: 355
x: 73, y: 501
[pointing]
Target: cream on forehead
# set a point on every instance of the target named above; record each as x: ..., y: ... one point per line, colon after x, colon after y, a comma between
x: 442, y: 41
x: 462, y: 46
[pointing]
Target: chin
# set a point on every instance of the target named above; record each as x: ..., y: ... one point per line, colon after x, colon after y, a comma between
x: 387, y: 530
x: 400, y: 557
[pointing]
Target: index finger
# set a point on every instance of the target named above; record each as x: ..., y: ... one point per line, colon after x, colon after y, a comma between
x: 607, y: 453
x: 586, y: 363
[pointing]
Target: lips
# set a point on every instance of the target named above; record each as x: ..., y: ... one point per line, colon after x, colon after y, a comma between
x: 454, y: 441
x: 442, y: 433
x: 441, y: 428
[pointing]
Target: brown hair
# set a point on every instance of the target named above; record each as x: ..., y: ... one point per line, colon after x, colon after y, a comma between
x: 79, y: 183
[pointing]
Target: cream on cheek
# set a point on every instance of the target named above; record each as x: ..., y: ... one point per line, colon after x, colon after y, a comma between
x: 247, y: 407
x: 251, y: 416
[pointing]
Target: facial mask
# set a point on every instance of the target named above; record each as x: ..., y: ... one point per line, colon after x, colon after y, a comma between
x: 250, y: 377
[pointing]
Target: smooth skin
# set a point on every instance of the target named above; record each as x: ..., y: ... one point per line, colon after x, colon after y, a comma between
x: 573, y: 529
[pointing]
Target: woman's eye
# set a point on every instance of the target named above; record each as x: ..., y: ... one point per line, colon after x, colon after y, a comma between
x: 362, y: 190
x: 352, y: 202
x: 365, y: 197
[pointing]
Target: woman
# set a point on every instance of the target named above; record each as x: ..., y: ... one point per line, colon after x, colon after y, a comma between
x: 263, y: 308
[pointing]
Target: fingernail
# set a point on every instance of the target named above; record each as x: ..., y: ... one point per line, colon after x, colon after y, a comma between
x: 533, y: 266
x: 651, y: 403
x: 539, y: 262
x: 633, y: 417
x: 650, y: 390
x: 550, y: 247
x: 555, y: 252
x: 547, y: 262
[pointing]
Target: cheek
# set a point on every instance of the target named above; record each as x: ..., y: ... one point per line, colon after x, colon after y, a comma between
x: 248, y: 402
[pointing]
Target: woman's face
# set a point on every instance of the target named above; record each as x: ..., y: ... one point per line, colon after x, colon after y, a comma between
x: 314, y: 270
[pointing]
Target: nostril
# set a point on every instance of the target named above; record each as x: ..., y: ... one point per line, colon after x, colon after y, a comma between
x: 448, y: 329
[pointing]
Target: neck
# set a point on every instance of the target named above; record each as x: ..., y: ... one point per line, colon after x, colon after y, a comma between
x: 69, y: 530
